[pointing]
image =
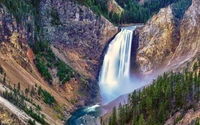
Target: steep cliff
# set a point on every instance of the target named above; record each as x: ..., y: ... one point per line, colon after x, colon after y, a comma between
x: 80, y: 34
x: 186, y: 55
x: 158, y: 40
x: 77, y: 37
x: 189, y: 35
x: 114, y: 7
x: 168, y: 43
x: 162, y: 40
x: 17, y: 67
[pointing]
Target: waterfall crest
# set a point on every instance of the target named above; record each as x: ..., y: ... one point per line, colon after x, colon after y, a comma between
x: 114, y: 79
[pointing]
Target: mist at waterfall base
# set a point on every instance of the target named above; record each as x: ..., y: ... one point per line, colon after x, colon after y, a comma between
x: 114, y: 78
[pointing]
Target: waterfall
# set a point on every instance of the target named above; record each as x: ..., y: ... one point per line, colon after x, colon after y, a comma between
x: 114, y: 79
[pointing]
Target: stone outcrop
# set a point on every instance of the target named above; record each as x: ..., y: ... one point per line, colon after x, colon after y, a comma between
x: 8, y: 118
x: 13, y: 39
x: 114, y: 7
x: 78, y: 37
x: 158, y: 40
x: 167, y: 42
x: 190, y: 35
x: 80, y: 34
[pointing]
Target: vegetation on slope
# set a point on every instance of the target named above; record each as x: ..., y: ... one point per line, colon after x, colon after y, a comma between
x: 20, y: 100
x: 25, y: 99
x: 19, y: 8
x: 100, y: 7
x: 154, y: 104
x: 46, y: 59
x: 22, y: 9
x: 27, y: 13
x: 180, y: 7
x: 134, y: 12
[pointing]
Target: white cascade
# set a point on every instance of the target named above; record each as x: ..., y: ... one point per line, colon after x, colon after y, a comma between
x: 114, y: 79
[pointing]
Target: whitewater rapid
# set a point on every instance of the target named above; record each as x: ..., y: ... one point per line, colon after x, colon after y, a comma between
x: 114, y: 78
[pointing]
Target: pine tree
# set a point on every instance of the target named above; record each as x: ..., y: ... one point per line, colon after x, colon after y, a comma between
x: 150, y: 120
x: 120, y: 113
x: 18, y: 87
x: 141, y: 120
x: 114, y: 116
x: 4, y: 78
x: 32, y: 91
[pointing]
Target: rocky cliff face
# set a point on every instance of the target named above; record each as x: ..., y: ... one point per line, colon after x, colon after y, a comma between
x: 158, y: 40
x: 189, y: 35
x: 114, y: 7
x: 79, y: 33
x: 77, y: 36
x: 16, y: 61
x: 167, y: 43
x: 13, y: 39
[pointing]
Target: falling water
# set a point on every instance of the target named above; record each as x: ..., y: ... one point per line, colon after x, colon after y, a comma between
x: 114, y: 79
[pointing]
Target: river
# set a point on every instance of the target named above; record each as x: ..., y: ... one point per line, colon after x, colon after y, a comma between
x: 114, y: 78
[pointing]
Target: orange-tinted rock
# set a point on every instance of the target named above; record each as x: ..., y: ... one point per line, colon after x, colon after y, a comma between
x: 158, y: 40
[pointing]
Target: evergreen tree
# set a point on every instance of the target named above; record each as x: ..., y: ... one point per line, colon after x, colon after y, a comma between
x: 150, y: 120
x: 141, y: 120
x: 4, y: 78
x: 114, y: 116
x: 18, y: 87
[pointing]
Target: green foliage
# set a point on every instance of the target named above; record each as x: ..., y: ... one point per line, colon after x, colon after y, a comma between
x: 46, y: 59
x: 180, y: 7
x: 42, y: 68
x: 197, y: 122
x: 22, y: 9
x: 18, y: 100
x: 1, y: 70
x: 100, y: 8
x: 47, y: 97
x: 18, y: 87
x: 40, y: 47
x: 177, y: 119
x: 195, y: 67
x: 55, y: 17
x: 4, y: 78
x: 135, y: 13
x: 35, y: 116
x: 113, y: 119
x: 31, y: 122
x: 141, y: 120
x: 154, y: 104
x: 64, y: 71
x: 19, y: 8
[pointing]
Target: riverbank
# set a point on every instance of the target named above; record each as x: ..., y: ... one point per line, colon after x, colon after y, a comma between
x: 86, y: 116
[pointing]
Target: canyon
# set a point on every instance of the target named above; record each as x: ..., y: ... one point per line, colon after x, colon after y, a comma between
x: 79, y: 38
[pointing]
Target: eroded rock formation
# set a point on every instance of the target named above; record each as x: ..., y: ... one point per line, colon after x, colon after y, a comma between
x: 81, y: 35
